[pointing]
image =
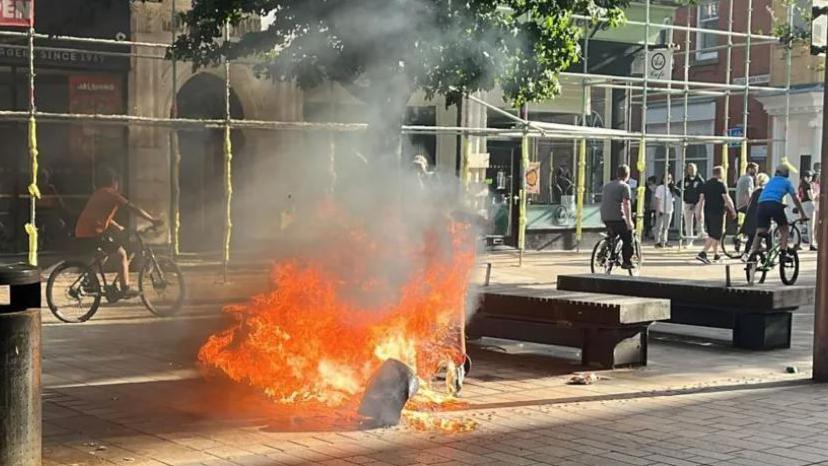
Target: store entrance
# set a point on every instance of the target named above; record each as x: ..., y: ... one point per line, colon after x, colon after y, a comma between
x: 201, y: 174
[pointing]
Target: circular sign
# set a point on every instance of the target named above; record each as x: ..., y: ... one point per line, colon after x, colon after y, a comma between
x: 658, y: 61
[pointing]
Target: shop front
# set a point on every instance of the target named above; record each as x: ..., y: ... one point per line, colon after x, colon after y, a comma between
x: 70, y: 78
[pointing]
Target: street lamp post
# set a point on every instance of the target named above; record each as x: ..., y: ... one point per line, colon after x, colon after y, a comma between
x: 821, y: 308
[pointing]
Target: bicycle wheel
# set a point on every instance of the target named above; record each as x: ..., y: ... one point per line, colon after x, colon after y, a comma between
x: 73, y: 292
x: 794, y: 237
x: 789, y: 272
x: 162, y: 286
x: 599, y: 256
x: 732, y: 245
x: 637, y: 258
x: 756, y: 268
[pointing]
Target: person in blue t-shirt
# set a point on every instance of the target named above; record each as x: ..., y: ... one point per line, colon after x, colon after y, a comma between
x: 771, y: 208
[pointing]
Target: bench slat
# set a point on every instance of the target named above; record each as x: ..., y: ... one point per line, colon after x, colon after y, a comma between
x: 711, y: 295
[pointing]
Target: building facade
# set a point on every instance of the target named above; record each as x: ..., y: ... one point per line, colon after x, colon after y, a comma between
x: 798, y: 137
x: 707, y: 59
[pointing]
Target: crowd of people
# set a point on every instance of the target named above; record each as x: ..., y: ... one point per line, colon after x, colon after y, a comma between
x: 758, y: 201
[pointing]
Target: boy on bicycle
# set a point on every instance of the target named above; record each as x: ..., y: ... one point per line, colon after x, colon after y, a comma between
x: 97, y: 222
x: 616, y: 213
x: 771, y: 208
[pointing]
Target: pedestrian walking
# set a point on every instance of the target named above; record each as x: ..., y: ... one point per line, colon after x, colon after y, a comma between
x: 693, y: 217
x: 745, y: 187
x: 649, y: 207
x: 806, y: 197
x: 664, y: 210
x: 714, y: 202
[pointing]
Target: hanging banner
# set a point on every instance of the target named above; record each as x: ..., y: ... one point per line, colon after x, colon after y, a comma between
x: 16, y: 13
x: 533, y: 178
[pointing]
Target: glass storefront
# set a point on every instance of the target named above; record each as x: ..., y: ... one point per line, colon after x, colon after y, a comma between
x: 69, y: 78
x: 69, y: 154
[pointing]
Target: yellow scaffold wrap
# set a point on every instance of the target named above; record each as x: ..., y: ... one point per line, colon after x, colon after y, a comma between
x: 228, y: 192
x: 788, y: 164
x: 743, y: 158
x: 34, y: 191
x: 581, y: 189
x: 524, y: 163
x: 642, y: 186
x: 725, y: 160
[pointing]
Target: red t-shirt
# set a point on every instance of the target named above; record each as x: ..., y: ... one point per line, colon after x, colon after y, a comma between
x: 98, y: 213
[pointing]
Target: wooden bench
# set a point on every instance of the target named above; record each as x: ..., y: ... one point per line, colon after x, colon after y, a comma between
x: 760, y: 316
x: 611, y: 331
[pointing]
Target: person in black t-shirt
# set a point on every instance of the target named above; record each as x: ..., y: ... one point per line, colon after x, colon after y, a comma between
x: 693, y: 222
x: 713, y: 201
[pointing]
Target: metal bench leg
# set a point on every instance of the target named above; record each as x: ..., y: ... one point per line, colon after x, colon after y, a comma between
x: 608, y: 348
x: 763, y: 331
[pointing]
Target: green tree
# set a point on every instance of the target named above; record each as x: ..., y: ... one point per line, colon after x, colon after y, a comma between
x: 384, y: 50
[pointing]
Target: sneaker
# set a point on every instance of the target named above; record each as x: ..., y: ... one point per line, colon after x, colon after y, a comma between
x: 785, y: 257
x: 702, y: 257
x: 813, y: 248
x: 658, y: 246
x: 717, y: 258
x: 130, y: 293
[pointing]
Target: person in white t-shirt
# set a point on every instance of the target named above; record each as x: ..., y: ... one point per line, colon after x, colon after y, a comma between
x: 663, y: 203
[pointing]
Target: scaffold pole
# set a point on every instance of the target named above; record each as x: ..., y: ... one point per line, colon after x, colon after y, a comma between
x: 34, y: 191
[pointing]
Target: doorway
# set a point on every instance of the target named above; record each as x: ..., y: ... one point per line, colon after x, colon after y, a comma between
x: 201, y: 173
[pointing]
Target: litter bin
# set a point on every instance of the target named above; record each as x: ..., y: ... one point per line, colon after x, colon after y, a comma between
x: 20, y: 422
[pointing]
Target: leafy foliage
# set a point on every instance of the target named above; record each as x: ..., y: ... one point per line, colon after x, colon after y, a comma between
x: 439, y: 46
x: 792, y: 31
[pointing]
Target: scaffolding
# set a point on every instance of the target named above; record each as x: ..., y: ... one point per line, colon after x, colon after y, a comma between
x: 641, y: 91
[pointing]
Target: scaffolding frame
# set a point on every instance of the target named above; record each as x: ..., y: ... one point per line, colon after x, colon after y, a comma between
x: 524, y: 129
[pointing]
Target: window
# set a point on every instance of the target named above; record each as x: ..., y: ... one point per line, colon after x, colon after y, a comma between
x: 708, y: 19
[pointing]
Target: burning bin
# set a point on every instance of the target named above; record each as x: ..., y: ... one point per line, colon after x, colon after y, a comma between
x: 20, y: 423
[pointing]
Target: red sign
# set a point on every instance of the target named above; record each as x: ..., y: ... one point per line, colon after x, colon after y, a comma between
x: 94, y: 94
x: 17, y: 13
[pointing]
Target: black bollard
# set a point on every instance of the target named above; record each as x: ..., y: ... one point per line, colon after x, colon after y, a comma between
x: 20, y: 423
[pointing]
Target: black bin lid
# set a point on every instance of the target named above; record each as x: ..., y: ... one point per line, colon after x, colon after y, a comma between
x: 19, y: 274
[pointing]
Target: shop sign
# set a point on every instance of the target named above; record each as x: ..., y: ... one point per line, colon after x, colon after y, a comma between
x: 533, y: 178
x: 16, y: 13
x: 759, y: 152
x: 735, y: 132
x: 61, y: 58
x: 93, y: 94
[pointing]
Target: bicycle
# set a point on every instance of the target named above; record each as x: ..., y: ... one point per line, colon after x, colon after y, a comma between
x: 606, y: 255
x: 733, y: 245
x: 74, y: 290
x: 760, y: 262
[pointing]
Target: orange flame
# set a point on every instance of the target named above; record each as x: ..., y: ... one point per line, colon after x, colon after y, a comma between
x: 311, y: 342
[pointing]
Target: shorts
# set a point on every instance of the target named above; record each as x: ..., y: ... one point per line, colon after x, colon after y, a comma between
x: 768, y: 211
x: 714, y: 224
x: 108, y: 242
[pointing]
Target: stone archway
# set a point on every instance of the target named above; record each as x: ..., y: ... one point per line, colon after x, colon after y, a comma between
x: 201, y: 174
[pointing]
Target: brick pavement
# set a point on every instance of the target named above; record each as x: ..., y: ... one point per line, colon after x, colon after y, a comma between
x: 123, y: 389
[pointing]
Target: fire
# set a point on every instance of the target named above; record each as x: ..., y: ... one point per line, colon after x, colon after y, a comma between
x: 333, y: 319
